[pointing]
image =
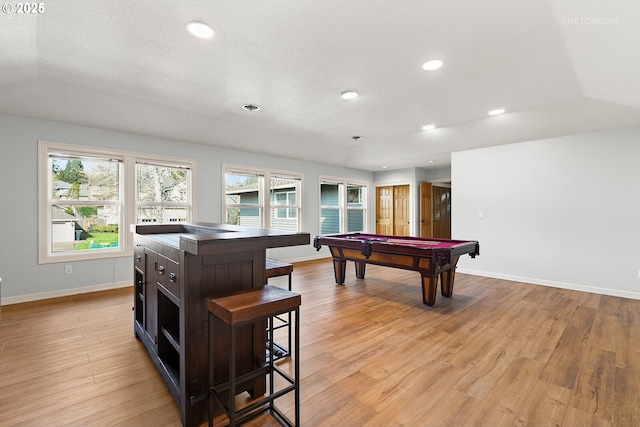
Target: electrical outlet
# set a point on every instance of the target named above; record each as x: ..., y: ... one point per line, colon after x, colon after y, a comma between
x: 68, y: 269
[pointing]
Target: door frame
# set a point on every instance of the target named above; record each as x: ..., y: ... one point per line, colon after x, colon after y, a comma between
x: 413, y: 214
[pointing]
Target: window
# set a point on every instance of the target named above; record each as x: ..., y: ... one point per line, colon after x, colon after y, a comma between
x: 162, y: 192
x: 243, y: 193
x: 87, y: 195
x: 356, y: 207
x: 250, y: 193
x: 283, y: 197
x: 343, y: 206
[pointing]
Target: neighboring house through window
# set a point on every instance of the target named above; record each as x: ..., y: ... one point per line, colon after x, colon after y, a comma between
x: 343, y: 205
x: 249, y: 193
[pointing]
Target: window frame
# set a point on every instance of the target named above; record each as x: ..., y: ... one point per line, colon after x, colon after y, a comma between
x: 264, y: 204
x: 343, y: 201
x: 174, y: 165
x: 127, y: 201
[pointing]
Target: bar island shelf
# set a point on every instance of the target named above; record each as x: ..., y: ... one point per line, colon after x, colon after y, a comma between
x: 176, y: 266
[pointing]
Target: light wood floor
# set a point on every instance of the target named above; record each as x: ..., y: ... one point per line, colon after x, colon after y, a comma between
x: 497, y: 353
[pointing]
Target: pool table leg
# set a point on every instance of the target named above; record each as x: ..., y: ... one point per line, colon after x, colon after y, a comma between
x: 446, y: 282
x: 360, y: 269
x: 446, y: 278
x: 339, y: 267
x: 429, y: 288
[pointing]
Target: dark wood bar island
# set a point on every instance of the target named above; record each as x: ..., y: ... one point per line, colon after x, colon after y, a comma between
x: 176, y: 266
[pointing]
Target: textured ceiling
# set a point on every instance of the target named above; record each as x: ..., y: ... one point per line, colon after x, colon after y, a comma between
x: 557, y: 67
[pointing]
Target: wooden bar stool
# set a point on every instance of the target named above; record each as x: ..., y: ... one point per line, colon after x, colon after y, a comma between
x: 276, y: 268
x: 244, y: 308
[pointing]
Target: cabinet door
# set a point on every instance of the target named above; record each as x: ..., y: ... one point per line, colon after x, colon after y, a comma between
x: 151, y: 296
x: 139, y: 285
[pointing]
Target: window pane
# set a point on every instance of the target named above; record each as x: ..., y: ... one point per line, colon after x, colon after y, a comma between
x: 284, y: 219
x: 355, y: 203
x: 283, y: 194
x: 354, y: 196
x: 250, y: 217
x: 80, y: 227
x: 80, y: 179
x: 329, y: 194
x: 162, y: 183
x: 237, y: 183
x: 243, y: 189
x: 329, y: 220
x: 355, y: 220
x: 233, y: 216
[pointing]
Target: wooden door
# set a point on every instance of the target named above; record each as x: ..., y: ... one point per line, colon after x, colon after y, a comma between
x: 426, y: 225
x: 393, y: 210
x: 384, y: 210
x: 401, y: 210
x: 442, y: 212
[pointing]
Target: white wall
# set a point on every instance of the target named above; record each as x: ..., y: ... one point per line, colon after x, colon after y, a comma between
x: 561, y: 212
x: 24, y: 279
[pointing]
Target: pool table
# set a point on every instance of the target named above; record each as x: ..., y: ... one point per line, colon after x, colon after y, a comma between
x: 431, y: 257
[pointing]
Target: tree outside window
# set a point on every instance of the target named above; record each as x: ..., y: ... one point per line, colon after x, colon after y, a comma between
x: 162, y: 193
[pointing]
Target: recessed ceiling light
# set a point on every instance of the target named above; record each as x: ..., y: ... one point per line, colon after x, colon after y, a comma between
x: 496, y: 112
x: 349, y: 94
x: 384, y: 167
x: 200, y: 30
x: 431, y: 161
x: 250, y: 107
x: 429, y: 127
x: 432, y: 64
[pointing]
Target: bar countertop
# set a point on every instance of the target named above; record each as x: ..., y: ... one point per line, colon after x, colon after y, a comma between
x: 201, y: 238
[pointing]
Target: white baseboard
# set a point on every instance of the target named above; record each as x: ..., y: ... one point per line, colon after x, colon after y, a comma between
x: 553, y: 284
x: 64, y: 293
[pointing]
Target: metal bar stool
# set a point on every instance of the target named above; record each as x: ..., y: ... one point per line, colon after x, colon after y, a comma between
x: 276, y: 268
x: 240, y: 309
